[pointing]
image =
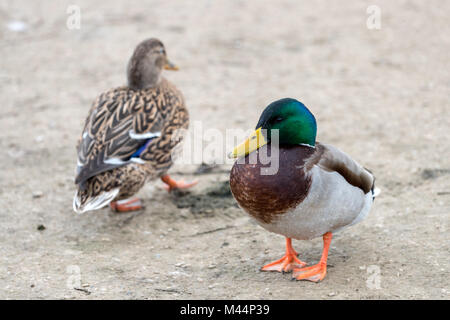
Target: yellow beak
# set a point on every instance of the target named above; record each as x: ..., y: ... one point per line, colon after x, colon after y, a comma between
x: 255, y: 141
x: 170, y: 66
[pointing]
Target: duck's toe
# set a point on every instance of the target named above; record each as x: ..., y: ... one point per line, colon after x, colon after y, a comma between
x: 314, y: 273
x: 132, y: 204
x: 172, y: 184
x: 286, y: 264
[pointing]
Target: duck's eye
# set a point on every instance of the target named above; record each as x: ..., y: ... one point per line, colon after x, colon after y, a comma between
x: 278, y: 119
x: 159, y: 51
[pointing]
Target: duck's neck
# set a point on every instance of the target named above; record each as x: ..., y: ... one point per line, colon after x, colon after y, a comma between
x: 142, y: 76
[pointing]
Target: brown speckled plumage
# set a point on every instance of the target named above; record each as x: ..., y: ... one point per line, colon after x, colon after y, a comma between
x: 130, y: 179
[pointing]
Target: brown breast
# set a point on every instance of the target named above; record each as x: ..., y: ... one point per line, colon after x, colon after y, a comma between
x: 266, y: 196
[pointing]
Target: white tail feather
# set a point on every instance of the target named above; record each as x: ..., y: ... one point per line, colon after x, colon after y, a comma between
x: 95, y: 203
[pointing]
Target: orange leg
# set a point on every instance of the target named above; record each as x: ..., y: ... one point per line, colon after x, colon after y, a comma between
x: 172, y: 184
x: 287, y: 263
x: 127, y: 205
x: 317, y: 272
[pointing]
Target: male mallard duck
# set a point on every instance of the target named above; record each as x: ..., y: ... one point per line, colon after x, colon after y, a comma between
x: 316, y: 191
x: 129, y: 134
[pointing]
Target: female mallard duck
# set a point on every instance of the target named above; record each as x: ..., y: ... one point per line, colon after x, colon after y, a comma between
x: 317, y: 189
x: 129, y: 134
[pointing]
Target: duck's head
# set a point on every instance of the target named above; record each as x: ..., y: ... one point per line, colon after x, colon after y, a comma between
x: 146, y: 63
x: 294, y: 122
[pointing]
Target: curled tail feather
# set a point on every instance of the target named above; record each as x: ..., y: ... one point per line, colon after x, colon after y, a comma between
x: 375, y: 192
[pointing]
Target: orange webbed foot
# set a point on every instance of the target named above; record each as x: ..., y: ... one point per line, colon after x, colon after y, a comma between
x: 314, y: 273
x: 172, y: 184
x: 317, y: 272
x: 127, y: 205
x: 287, y: 263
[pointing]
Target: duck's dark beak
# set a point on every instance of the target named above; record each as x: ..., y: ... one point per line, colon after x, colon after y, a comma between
x: 170, y: 66
x: 255, y: 141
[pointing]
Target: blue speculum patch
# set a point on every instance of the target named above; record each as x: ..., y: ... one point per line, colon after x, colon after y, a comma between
x: 141, y: 149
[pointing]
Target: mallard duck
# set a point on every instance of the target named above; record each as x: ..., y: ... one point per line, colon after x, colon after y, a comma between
x: 129, y: 134
x: 314, y: 191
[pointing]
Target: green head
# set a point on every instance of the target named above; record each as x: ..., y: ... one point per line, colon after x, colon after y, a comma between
x: 296, y: 124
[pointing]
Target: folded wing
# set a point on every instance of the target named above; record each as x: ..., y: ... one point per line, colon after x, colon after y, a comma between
x: 330, y: 159
x: 120, y: 124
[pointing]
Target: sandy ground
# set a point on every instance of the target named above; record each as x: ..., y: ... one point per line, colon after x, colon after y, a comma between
x: 380, y: 95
